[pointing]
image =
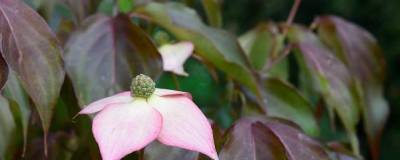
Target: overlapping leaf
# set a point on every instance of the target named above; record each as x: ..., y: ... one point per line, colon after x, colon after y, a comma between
x: 359, y: 50
x: 214, y: 45
x: 14, y: 92
x: 258, y: 138
x: 32, y: 51
x: 285, y: 101
x: 3, y: 72
x: 7, y: 126
x: 263, y: 45
x: 115, y: 50
x: 331, y: 78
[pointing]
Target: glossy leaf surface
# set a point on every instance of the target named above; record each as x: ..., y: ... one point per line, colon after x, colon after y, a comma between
x: 331, y: 78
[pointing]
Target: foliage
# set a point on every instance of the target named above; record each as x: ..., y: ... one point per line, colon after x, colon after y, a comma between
x: 266, y: 91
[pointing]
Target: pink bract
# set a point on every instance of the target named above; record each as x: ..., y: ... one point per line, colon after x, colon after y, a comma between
x: 125, y: 124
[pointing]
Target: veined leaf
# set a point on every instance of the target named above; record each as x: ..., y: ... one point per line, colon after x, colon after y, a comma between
x: 32, y: 51
x: 214, y: 45
x: 286, y: 102
x: 331, y: 78
x: 115, y: 51
x: 359, y: 50
x: 256, y: 138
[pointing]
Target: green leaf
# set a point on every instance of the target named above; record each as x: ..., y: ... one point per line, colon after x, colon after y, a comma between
x: 125, y: 6
x: 199, y: 81
x: 330, y: 77
x: 7, y: 127
x: 286, y: 102
x: 14, y: 92
x: 106, y: 7
x: 214, y: 45
x: 32, y: 51
x: 3, y: 72
x: 360, y: 51
x: 116, y: 51
x: 213, y: 11
x: 263, y: 46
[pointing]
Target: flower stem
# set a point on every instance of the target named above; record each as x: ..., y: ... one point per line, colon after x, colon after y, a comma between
x: 175, y: 79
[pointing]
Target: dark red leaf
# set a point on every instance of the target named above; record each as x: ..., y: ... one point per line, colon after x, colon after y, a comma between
x: 331, y: 78
x: 32, y: 51
x: 251, y: 140
x: 360, y: 51
x: 256, y: 138
x: 104, y: 55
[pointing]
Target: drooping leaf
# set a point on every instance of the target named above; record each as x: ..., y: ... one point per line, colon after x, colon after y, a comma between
x: 214, y: 45
x: 286, y: 102
x: 32, y: 51
x: 115, y: 51
x: 264, y: 47
x: 360, y: 51
x: 298, y: 146
x: 256, y: 138
x: 3, y: 72
x: 14, y: 91
x: 250, y: 140
x: 156, y: 151
x: 7, y: 126
x: 330, y: 77
x: 213, y: 11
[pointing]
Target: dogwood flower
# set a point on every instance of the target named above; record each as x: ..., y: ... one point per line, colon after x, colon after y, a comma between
x: 175, y: 55
x: 128, y: 121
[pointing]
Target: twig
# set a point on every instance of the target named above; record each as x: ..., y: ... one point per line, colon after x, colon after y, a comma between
x: 293, y: 12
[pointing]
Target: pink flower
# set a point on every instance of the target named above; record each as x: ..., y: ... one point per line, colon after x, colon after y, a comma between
x: 127, y: 121
x: 175, y: 55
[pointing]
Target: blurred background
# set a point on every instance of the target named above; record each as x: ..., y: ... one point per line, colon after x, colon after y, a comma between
x: 380, y: 17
